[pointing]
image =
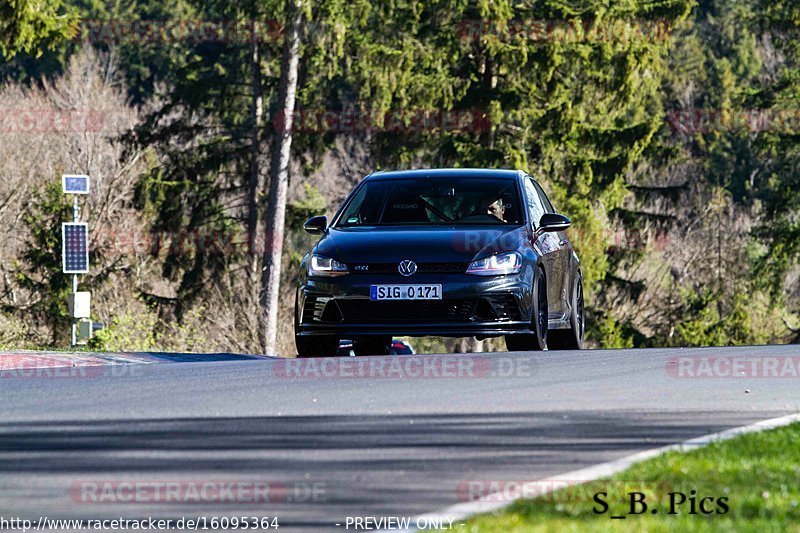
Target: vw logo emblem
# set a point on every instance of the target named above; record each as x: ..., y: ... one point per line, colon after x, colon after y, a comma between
x: 407, y: 267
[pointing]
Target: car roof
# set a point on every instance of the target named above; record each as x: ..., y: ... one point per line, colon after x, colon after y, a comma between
x: 447, y: 173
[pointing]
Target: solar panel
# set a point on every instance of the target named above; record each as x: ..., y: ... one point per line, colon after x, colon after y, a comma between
x: 75, y: 184
x: 75, y: 247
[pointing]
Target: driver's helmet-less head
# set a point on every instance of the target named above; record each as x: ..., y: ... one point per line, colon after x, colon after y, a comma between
x: 494, y: 206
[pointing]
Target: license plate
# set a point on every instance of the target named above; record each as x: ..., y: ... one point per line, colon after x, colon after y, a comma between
x: 405, y: 292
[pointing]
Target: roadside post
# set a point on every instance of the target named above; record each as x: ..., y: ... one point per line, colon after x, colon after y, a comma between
x: 75, y: 258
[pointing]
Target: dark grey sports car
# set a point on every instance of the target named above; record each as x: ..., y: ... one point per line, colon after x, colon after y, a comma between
x: 449, y: 252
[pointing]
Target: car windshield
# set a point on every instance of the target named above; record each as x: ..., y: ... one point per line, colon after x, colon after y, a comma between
x: 432, y: 201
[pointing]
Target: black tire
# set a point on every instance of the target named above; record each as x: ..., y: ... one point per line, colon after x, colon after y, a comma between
x: 572, y: 338
x: 536, y: 341
x: 316, y: 346
x: 374, y: 345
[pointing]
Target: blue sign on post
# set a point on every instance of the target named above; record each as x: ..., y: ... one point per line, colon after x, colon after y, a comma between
x: 75, y: 247
x: 75, y: 184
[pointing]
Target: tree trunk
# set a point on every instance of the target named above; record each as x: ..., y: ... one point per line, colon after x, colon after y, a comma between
x: 489, y: 85
x: 279, y: 179
x: 255, y: 182
x: 255, y: 187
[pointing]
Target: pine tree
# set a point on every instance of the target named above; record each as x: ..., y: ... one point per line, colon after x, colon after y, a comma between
x: 31, y: 26
x: 570, y: 92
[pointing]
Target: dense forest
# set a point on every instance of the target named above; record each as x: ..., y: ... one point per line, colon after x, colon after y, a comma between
x: 668, y: 130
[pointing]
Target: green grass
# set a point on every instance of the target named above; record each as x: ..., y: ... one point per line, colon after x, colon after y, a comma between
x: 758, y: 473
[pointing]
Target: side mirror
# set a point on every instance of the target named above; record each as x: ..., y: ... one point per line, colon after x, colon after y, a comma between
x: 553, y: 222
x: 316, y: 225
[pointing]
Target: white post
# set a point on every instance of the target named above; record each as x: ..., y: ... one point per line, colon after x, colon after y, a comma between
x: 74, y: 184
x: 76, y: 215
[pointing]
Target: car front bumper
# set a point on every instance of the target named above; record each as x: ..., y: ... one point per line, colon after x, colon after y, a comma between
x: 470, y: 306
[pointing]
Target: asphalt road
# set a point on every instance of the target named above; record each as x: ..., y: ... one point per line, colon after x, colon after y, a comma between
x: 358, y: 436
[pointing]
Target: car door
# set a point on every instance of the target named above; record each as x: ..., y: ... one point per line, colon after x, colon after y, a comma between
x: 547, y: 245
x: 562, y: 254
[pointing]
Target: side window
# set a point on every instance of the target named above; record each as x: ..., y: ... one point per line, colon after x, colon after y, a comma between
x: 548, y: 207
x: 533, y: 202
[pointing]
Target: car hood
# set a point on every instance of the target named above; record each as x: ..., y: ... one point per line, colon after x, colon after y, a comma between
x: 378, y: 244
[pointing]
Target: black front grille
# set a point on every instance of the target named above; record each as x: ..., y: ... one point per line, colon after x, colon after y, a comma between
x: 422, y: 312
x: 320, y: 309
x: 503, y: 307
x: 312, y: 310
x: 422, y: 268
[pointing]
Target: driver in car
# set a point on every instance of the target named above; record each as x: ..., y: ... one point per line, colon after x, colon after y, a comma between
x: 496, y: 208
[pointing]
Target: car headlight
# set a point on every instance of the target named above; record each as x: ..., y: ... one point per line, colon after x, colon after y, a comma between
x: 496, y: 265
x: 325, y: 266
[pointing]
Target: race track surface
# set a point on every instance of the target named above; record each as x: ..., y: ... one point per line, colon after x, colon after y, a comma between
x: 325, y: 439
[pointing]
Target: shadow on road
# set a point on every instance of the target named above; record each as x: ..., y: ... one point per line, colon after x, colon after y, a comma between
x: 343, y: 465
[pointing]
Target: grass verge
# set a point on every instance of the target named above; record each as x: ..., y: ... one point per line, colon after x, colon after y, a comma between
x: 758, y: 474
